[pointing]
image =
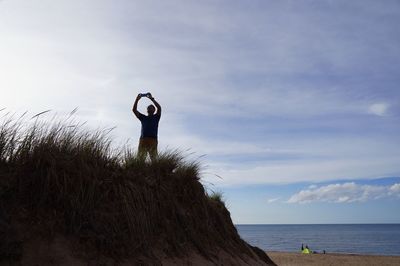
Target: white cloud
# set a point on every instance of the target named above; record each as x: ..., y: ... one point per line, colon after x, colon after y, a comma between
x: 395, y: 189
x: 272, y: 200
x: 186, y: 56
x: 284, y: 172
x: 379, y: 109
x: 344, y: 193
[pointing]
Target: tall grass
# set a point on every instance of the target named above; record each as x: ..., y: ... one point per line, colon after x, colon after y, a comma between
x: 60, y: 178
x: 216, y: 196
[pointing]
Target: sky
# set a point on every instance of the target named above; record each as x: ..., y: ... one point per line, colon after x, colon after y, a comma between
x: 295, y: 105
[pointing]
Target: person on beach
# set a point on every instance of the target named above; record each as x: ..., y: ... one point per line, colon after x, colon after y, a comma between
x: 149, y: 134
x: 305, y: 250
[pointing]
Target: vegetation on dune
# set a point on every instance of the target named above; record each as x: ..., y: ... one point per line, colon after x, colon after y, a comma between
x: 217, y: 196
x: 59, y: 178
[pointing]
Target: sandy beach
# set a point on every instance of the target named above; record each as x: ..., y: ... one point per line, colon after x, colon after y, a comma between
x: 289, y: 259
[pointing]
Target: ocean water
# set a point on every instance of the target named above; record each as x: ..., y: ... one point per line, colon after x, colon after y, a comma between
x: 377, y: 239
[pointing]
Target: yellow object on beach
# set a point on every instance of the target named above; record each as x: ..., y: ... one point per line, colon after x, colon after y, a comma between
x: 306, y: 251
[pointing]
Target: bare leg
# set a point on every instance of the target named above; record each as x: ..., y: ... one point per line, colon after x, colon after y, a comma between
x: 153, y: 152
x: 142, y: 151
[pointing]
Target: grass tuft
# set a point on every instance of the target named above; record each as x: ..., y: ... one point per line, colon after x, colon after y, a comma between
x: 217, y: 196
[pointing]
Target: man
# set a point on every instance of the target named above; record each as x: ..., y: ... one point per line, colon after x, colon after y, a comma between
x: 149, y: 135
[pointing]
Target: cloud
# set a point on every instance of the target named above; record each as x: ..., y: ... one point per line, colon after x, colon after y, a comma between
x: 379, y: 109
x: 395, y: 190
x: 272, y: 200
x: 308, y: 170
x: 258, y: 71
x: 344, y: 193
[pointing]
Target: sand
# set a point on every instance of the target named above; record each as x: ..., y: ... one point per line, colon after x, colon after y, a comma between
x: 288, y: 259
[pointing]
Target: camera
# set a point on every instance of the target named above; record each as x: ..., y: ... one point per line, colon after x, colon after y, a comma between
x: 148, y: 95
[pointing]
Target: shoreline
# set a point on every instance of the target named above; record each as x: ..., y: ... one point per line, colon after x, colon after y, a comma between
x: 298, y: 259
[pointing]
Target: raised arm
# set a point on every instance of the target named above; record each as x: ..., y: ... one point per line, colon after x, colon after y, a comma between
x: 157, y: 105
x: 134, y: 108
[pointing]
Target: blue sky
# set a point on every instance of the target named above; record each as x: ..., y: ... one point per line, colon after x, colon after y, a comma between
x: 296, y: 104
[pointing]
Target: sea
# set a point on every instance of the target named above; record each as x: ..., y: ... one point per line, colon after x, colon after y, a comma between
x: 376, y: 239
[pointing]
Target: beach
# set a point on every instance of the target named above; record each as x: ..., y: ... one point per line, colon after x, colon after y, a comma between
x: 298, y: 259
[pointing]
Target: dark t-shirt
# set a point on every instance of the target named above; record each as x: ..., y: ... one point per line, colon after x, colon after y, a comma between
x: 149, y: 125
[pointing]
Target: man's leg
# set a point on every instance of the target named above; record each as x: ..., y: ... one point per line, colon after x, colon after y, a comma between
x: 142, y: 151
x: 153, y: 143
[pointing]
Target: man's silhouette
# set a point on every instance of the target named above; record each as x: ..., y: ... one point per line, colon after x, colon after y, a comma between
x: 148, y: 138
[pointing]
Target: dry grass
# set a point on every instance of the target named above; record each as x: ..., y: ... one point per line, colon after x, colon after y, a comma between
x: 217, y: 196
x: 64, y: 179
